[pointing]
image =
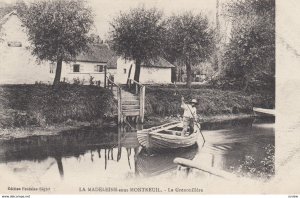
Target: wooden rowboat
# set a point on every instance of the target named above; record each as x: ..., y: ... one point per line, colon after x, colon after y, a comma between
x: 167, y: 136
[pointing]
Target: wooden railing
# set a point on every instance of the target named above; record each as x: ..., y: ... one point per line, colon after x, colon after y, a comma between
x: 110, y: 84
x: 134, y: 86
x: 140, y: 90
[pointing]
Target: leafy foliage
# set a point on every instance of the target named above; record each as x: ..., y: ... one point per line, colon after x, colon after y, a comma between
x: 138, y: 35
x: 190, y: 40
x: 58, y: 29
x: 6, y: 8
x: 26, y: 105
x: 165, y: 101
x: 251, y: 52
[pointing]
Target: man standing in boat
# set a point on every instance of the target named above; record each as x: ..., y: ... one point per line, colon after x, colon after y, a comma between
x: 189, y: 116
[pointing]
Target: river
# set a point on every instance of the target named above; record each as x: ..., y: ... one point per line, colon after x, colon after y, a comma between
x: 244, y: 148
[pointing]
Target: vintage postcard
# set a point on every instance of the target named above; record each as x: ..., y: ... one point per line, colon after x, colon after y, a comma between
x: 149, y: 96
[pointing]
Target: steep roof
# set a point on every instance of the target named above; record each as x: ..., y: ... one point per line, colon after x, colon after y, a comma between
x: 112, y: 63
x: 96, y: 53
x: 5, y: 18
x: 160, y: 62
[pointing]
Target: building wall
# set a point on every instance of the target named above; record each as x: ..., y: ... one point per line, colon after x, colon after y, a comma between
x: 86, y: 71
x: 148, y: 75
x: 123, y: 67
x: 17, y: 65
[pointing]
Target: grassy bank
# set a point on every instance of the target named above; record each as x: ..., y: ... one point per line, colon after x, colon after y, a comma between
x: 166, y: 100
x: 43, y: 109
x: 43, y: 105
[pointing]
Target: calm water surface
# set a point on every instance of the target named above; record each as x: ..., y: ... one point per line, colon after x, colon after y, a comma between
x: 113, y: 154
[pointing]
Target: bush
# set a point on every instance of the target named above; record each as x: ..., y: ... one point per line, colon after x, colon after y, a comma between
x: 166, y: 101
x: 23, y: 105
x: 250, y: 55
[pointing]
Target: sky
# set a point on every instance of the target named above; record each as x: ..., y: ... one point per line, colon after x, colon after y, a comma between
x: 106, y: 10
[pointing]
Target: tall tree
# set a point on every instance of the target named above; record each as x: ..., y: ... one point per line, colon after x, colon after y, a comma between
x: 58, y: 30
x: 21, y: 8
x: 138, y: 35
x: 190, y: 40
x: 251, y: 51
x: 5, y: 8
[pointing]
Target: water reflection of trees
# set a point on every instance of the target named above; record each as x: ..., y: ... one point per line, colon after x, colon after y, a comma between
x: 110, y: 144
x: 70, y: 143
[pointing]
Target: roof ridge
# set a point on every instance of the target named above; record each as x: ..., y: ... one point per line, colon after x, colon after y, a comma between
x: 159, y: 62
x: 167, y: 61
x: 6, y: 17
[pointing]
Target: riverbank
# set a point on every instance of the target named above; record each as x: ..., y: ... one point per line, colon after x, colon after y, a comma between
x: 28, y: 110
x: 29, y: 106
x: 166, y: 100
x: 11, y: 133
x: 157, y: 120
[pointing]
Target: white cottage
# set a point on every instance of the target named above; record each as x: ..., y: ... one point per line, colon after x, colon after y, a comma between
x: 91, y: 65
x: 17, y: 65
x: 153, y: 72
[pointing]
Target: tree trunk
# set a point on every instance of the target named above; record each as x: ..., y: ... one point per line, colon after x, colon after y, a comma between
x: 188, y: 74
x: 58, y: 72
x: 137, y: 70
x: 129, y: 74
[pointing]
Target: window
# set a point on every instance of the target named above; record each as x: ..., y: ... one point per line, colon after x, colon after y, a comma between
x: 124, y: 71
x: 99, y: 68
x: 52, y: 68
x: 14, y: 44
x: 76, y: 67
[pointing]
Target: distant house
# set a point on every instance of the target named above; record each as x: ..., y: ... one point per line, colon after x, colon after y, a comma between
x: 153, y: 72
x: 17, y: 64
x: 91, y: 65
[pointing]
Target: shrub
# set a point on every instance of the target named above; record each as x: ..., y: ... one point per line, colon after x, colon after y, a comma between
x: 44, y: 104
x: 167, y: 101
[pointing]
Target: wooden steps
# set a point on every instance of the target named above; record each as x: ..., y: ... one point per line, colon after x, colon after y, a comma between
x: 130, y: 102
x: 133, y: 112
x: 130, y: 105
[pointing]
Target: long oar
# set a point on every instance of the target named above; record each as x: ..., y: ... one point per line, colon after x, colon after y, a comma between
x: 191, y: 113
x: 200, y: 131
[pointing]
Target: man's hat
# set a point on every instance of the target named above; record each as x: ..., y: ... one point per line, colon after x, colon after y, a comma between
x: 194, y: 101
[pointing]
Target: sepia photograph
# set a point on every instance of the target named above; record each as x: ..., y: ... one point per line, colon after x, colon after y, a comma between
x: 144, y: 96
